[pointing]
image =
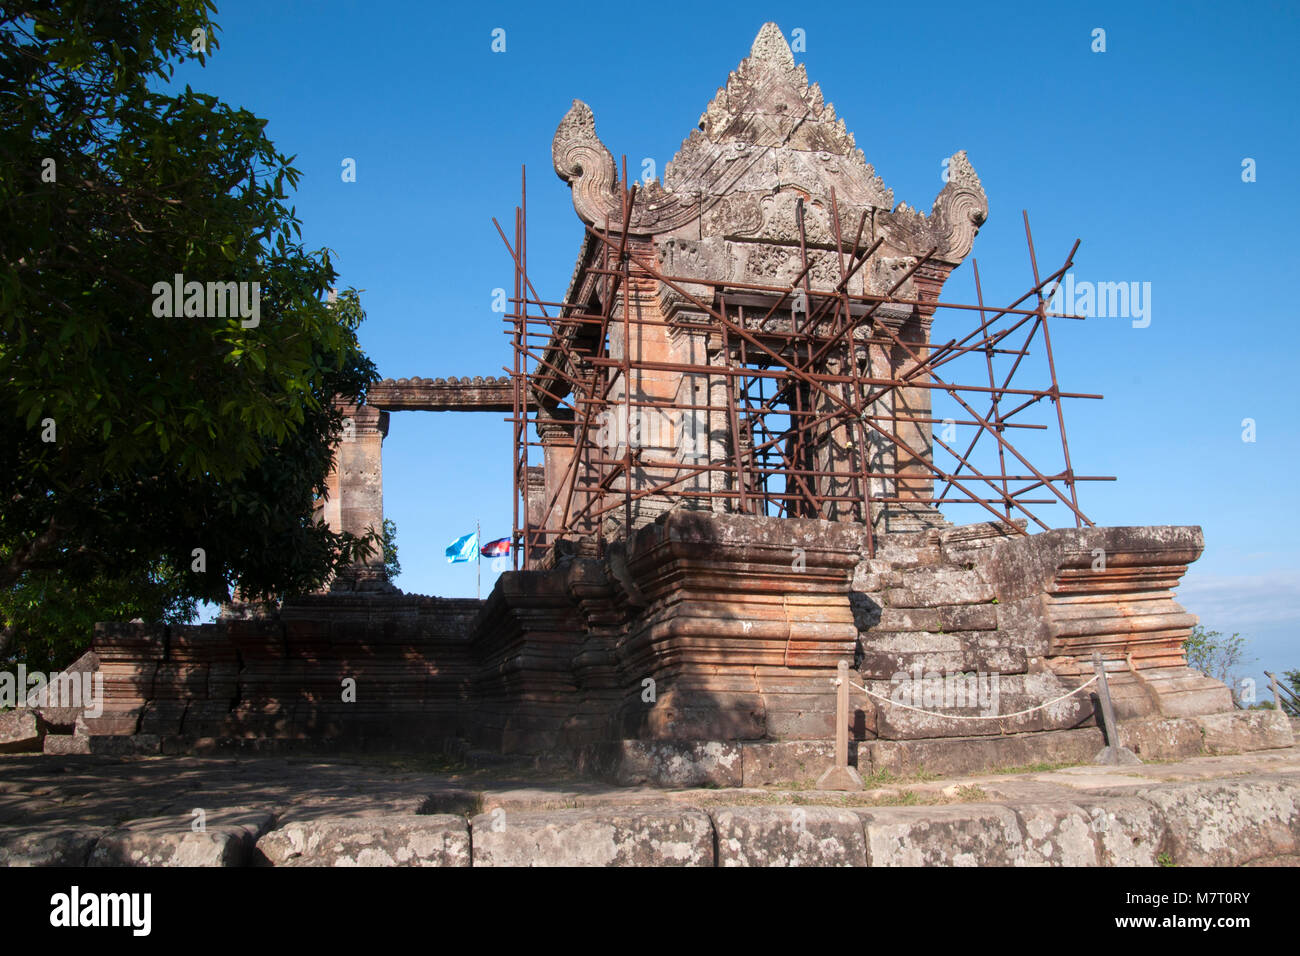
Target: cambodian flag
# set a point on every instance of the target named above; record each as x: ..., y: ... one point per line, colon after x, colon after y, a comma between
x: 462, y: 549
x: 496, y: 549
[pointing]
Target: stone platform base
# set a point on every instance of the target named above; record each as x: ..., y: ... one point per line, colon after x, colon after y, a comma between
x: 701, y: 651
x: 1238, y: 821
x: 800, y: 762
x: 1241, y: 809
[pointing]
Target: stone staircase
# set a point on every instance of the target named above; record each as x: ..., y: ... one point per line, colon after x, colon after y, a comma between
x: 928, y: 636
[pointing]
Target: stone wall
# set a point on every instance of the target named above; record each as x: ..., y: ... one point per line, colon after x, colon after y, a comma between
x: 284, y: 679
x: 1031, y: 609
x: 739, y: 622
x: 673, y: 656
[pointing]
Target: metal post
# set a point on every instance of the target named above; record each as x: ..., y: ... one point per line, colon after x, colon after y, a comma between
x: 565, y: 360
x: 1112, y: 753
x: 841, y: 776
x: 1281, y: 690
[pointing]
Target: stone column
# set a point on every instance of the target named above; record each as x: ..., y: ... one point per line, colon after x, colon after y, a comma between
x: 355, y: 490
x: 834, y: 443
x: 720, y: 439
x: 535, y: 495
x: 882, y: 454
x: 642, y: 401
x: 701, y: 435
x: 916, y: 480
x: 693, y: 442
x: 555, y: 431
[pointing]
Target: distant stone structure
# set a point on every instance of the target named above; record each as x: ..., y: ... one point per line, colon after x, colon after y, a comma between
x: 354, y: 500
x: 679, y: 616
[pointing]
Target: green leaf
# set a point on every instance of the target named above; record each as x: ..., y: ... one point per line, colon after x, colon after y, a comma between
x: 166, y: 425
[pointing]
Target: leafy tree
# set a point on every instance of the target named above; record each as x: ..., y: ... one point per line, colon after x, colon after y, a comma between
x: 55, y: 617
x: 148, y: 461
x: 392, y: 567
x: 1216, y: 656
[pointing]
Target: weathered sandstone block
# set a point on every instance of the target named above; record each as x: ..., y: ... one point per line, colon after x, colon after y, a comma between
x: 1128, y: 831
x: 1226, y: 823
x: 789, y: 836
x: 971, y: 835
x: 640, y: 836
x: 1057, y: 835
x: 391, y: 840
x: 786, y: 761
x: 1243, y: 730
x: 228, y: 840
x: 20, y: 731
x: 957, y: 755
x: 666, y: 763
x: 44, y: 846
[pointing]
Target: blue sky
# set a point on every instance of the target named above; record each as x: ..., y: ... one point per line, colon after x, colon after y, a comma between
x: 1137, y: 151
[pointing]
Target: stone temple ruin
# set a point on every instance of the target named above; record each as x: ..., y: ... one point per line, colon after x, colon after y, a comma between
x: 729, y: 466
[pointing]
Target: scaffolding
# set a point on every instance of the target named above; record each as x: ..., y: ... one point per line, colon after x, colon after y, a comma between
x: 809, y: 395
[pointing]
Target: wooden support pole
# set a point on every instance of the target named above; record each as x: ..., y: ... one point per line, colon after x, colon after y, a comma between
x: 1112, y: 753
x: 841, y: 776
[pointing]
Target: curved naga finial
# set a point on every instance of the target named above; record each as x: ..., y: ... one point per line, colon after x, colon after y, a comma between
x: 959, y: 210
x: 584, y: 162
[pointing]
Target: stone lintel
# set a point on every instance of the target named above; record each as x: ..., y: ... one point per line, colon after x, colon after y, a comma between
x: 476, y: 394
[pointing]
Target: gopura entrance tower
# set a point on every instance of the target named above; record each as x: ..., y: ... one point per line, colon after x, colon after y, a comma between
x: 730, y: 459
x: 769, y: 193
x: 737, y: 487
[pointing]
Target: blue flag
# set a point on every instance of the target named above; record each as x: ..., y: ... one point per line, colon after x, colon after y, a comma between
x: 463, y: 548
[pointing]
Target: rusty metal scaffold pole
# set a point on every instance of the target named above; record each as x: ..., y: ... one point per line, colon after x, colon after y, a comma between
x: 812, y: 427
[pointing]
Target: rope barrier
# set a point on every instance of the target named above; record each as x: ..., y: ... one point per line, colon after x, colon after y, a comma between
x: 1019, y: 713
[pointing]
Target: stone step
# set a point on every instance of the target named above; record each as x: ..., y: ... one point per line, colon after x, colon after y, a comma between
x: 957, y: 617
x: 20, y: 731
x: 908, y: 561
x: 968, y: 590
x: 65, y: 744
x: 886, y: 653
x: 939, y: 576
x: 939, y: 573
x: 965, y: 705
x: 1236, y: 731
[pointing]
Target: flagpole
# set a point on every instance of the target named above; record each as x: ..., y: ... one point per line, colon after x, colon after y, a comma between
x: 478, y: 562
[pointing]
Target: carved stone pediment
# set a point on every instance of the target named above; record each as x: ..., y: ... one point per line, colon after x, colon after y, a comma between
x: 587, y: 165
x: 765, y: 141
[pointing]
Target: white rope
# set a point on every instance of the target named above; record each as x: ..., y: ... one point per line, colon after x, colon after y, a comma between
x: 1019, y: 713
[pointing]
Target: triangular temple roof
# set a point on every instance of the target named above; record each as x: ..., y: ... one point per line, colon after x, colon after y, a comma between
x: 767, y: 139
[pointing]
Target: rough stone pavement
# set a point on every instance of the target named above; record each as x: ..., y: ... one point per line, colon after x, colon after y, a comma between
x: 105, y: 810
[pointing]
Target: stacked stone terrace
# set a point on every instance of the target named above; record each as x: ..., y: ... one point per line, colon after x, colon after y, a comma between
x: 737, y: 624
